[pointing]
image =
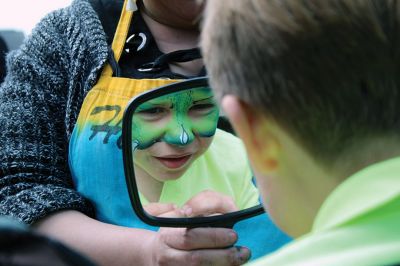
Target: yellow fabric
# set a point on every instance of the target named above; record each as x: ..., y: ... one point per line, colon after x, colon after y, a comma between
x: 120, y: 36
x: 358, y: 224
x: 114, y: 93
x: 217, y: 169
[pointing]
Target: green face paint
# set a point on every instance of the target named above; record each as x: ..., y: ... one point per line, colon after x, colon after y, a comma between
x: 175, y: 118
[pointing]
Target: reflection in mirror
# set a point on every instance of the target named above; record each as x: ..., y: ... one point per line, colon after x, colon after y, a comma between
x: 183, y: 164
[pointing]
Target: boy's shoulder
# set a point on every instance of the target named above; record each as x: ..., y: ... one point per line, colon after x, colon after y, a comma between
x: 366, y: 207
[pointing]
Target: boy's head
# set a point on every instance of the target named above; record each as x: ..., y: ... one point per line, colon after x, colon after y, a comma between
x: 316, y: 88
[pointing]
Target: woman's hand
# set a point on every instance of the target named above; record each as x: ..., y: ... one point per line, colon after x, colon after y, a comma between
x: 197, y: 246
x: 108, y: 244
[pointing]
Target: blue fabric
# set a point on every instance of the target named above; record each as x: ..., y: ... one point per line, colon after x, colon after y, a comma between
x: 260, y: 235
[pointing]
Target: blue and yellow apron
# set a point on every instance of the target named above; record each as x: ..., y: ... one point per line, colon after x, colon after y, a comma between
x: 95, y: 155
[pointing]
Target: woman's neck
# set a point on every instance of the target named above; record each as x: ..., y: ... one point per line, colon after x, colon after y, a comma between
x: 170, y: 39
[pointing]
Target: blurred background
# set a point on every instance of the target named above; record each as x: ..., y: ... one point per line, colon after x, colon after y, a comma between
x: 18, y: 17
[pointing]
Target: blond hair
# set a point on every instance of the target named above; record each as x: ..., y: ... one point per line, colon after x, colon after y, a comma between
x: 327, y: 71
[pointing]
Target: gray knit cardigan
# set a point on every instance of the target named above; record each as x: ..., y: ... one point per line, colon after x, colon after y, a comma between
x: 40, y: 99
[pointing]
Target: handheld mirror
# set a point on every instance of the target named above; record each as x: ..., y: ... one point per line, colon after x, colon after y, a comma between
x: 182, y: 168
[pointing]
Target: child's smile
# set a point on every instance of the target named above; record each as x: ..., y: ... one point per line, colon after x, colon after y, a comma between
x: 174, y: 161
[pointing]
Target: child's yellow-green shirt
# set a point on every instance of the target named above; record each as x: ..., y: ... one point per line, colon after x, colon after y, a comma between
x: 219, y: 169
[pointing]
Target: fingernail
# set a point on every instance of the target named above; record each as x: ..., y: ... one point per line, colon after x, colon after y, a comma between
x: 243, y: 254
x: 232, y: 236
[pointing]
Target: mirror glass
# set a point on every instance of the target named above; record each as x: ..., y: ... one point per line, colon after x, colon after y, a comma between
x: 185, y: 161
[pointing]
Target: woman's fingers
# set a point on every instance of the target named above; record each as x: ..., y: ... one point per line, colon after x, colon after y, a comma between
x: 200, y: 246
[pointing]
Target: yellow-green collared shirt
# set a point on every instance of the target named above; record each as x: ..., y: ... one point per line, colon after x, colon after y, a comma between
x: 358, y: 224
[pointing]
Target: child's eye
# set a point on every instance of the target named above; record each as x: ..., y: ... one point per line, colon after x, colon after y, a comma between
x: 203, y: 106
x: 202, y: 109
x: 152, y: 114
x: 154, y: 110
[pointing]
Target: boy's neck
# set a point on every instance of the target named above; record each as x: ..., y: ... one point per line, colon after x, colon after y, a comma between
x: 366, y: 153
x: 315, y: 180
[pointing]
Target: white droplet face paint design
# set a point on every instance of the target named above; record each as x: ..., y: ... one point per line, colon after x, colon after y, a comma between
x: 184, y: 136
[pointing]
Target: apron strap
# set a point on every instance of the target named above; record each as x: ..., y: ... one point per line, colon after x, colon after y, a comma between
x: 120, y: 35
x: 176, y: 56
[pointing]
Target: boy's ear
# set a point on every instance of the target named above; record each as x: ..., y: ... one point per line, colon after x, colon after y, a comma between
x: 255, y: 130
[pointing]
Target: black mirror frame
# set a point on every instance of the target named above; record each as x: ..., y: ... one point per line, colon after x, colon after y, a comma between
x: 224, y: 220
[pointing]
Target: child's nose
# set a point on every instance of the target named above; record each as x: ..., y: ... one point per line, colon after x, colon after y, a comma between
x: 179, y: 135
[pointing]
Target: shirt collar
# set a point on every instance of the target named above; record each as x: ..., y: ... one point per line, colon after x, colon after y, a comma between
x: 363, y: 192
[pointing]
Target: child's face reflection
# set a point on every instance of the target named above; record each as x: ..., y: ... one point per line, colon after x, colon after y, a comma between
x: 171, y: 131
